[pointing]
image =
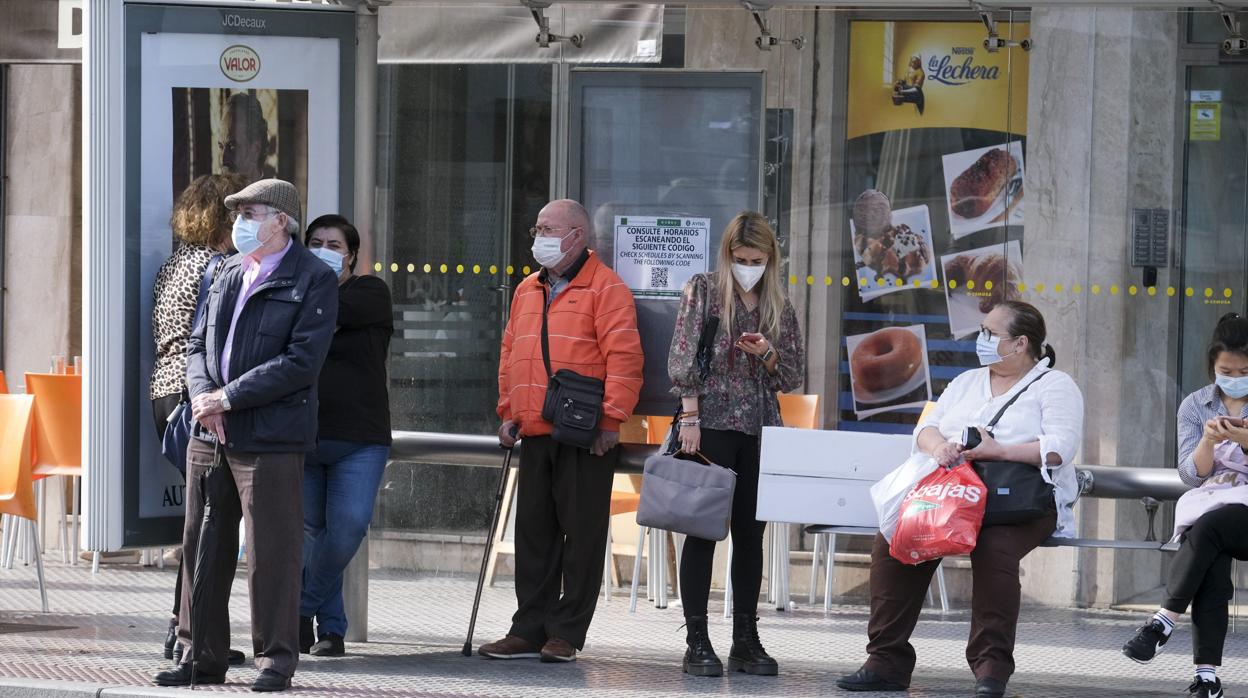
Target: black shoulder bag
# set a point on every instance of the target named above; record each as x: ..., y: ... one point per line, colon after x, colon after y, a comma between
x: 1017, y: 492
x: 573, y: 402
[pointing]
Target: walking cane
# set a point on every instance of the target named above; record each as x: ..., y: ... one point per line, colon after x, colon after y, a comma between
x: 489, y: 544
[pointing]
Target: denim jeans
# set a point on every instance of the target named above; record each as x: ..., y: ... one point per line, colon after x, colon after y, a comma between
x: 340, y: 482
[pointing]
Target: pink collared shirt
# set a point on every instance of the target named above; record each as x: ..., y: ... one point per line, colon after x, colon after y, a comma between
x: 254, y: 274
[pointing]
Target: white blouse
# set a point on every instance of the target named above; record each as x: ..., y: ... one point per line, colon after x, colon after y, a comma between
x: 1050, y: 411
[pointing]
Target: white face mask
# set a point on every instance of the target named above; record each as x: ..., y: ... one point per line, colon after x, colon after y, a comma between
x: 548, y: 251
x: 989, y: 349
x: 246, y: 235
x: 748, y: 276
x: 328, y: 256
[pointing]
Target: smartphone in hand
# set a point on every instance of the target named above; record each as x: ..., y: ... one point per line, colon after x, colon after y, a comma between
x: 1231, y: 421
x: 750, y: 337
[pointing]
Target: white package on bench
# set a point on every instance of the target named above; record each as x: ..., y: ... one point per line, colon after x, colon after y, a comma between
x: 810, y: 476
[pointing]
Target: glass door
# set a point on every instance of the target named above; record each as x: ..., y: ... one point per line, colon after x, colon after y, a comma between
x: 1215, y: 209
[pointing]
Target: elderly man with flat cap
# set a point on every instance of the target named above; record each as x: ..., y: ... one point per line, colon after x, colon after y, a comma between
x: 252, y: 367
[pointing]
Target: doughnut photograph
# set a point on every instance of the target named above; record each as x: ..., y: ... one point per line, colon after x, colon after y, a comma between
x: 982, y: 278
x: 892, y: 249
x: 888, y: 370
x: 984, y: 188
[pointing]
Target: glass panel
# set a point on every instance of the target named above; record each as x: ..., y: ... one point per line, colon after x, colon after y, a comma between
x: 679, y: 185
x: 1215, y: 222
x: 933, y: 195
x: 464, y: 168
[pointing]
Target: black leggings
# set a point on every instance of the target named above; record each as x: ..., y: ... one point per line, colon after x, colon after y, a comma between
x: 738, y: 451
x: 1201, y: 577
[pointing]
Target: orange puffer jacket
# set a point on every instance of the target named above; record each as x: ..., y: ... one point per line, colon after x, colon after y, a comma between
x: 593, y: 330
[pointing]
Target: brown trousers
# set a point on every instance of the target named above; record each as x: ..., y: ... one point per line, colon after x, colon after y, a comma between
x: 898, y: 590
x: 266, y: 491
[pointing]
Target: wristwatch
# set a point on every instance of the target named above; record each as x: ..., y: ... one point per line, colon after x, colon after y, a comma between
x: 225, y: 400
x: 771, y: 351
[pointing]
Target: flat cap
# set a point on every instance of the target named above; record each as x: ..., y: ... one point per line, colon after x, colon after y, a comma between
x: 274, y: 193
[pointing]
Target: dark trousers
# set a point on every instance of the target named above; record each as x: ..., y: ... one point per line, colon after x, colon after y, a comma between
x: 898, y: 590
x: 266, y: 491
x: 563, y: 509
x: 162, y: 407
x: 739, y: 452
x: 1201, y: 577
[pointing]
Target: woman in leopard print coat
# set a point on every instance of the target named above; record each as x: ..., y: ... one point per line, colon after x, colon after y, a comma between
x: 201, y: 225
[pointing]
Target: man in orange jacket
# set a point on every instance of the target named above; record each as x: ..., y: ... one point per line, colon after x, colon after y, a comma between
x: 563, y: 500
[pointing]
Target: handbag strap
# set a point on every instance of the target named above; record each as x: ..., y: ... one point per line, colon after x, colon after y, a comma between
x: 1006, y: 406
x: 545, y: 335
x: 205, y: 283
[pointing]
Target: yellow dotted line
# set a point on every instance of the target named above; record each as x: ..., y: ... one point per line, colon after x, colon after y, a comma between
x: 879, y: 282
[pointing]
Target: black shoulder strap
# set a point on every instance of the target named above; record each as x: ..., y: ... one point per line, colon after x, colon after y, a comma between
x: 1017, y: 395
x: 545, y: 336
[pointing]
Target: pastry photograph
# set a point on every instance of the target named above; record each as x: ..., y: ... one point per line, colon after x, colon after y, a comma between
x: 982, y: 278
x: 888, y: 369
x: 890, y: 245
x: 984, y: 188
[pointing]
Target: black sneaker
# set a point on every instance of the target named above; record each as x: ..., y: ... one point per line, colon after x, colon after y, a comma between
x: 1147, y: 642
x: 1206, y: 689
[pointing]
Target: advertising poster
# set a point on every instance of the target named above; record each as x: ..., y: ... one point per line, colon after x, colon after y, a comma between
x: 656, y: 256
x: 888, y: 370
x: 933, y: 238
x: 222, y: 90
x: 976, y: 281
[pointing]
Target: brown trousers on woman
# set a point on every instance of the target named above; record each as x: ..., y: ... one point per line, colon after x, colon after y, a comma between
x: 898, y: 591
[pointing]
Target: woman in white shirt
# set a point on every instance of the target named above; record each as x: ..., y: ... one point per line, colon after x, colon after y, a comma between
x: 1043, y: 426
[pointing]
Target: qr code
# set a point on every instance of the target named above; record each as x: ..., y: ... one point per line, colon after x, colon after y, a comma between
x: 658, y: 277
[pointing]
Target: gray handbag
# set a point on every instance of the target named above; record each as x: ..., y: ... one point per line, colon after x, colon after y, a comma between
x: 688, y: 494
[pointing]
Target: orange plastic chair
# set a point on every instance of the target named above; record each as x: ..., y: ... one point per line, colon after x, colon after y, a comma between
x: 4, y: 387
x: 57, y: 436
x: 658, y: 428
x: 17, y: 492
x: 799, y: 411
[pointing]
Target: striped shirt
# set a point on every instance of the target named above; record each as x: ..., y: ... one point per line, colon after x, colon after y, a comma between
x: 1198, y: 408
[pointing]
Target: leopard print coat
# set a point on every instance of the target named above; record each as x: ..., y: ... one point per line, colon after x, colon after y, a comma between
x: 175, y: 294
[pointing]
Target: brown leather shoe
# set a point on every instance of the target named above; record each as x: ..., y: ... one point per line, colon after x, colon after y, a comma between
x: 510, y: 647
x: 556, y: 650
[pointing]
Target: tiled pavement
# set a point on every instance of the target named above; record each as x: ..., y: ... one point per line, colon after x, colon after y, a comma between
x: 103, y: 637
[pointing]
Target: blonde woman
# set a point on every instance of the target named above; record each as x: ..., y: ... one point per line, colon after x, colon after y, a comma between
x: 757, y: 353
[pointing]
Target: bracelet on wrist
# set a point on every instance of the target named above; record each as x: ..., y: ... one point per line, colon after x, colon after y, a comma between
x: 691, y: 423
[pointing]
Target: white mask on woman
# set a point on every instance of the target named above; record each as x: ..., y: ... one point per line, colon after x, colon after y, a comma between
x: 748, y: 276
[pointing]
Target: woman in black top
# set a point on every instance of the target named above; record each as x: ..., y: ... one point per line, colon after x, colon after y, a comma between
x: 341, y: 478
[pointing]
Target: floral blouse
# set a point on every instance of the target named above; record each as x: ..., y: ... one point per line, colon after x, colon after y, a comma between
x: 738, y: 394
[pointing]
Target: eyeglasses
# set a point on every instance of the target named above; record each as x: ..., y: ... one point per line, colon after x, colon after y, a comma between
x: 546, y: 232
x: 252, y: 215
x: 987, y: 335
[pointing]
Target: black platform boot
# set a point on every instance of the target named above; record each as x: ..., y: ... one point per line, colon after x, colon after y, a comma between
x: 747, y: 653
x: 700, y: 659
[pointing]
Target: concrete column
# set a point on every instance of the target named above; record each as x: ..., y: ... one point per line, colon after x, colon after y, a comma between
x: 1100, y: 142
x: 43, y: 234
x: 43, y: 231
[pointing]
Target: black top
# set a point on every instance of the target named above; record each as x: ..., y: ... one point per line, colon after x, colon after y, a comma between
x: 355, y: 404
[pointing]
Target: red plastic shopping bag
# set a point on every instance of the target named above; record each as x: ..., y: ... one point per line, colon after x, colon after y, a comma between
x: 940, y: 516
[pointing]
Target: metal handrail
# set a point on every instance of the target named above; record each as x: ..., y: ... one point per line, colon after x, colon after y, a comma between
x: 484, y: 451
x: 1101, y: 481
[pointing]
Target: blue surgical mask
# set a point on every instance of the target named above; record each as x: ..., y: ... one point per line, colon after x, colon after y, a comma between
x: 1235, y: 387
x: 328, y: 256
x: 988, y: 348
x: 246, y: 235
